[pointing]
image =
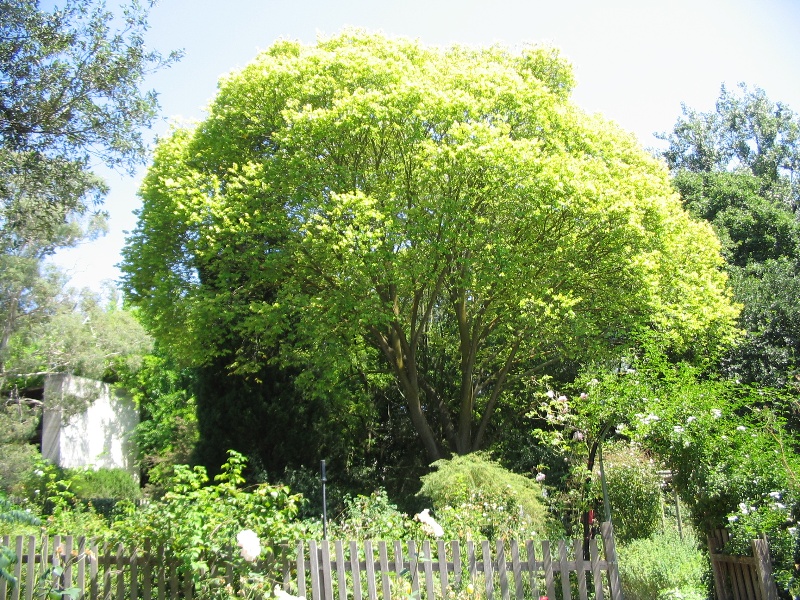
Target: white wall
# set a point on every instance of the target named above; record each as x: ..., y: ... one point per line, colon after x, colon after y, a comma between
x: 97, y: 436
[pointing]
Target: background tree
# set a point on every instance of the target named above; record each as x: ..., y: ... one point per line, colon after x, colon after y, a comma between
x: 69, y: 92
x: 737, y: 167
x: 372, y: 202
x: 70, y: 97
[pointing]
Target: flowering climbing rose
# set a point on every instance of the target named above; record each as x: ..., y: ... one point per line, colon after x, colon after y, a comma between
x: 249, y: 543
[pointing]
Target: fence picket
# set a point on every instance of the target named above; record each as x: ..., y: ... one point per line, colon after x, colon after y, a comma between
x: 161, y: 574
x: 94, y: 571
x: 5, y: 541
x: 341, y: 577
x: 173, y: 581
x: 313, y: 568
x: 502, y: 572
x: 533, y: 568
x: 548, y: 570
x: 327, y: 579
x: 441, y: 566
x: 372, y: 592
x: 488, y: 571
x: 17, y: 568
x: 413, y: 562
x: 563, y: 569
x: 81, y: 566
x: 473, y: 565
x: 607, y: 533
x: 31, y: 567
x: 399, y: 565
x: 580, y: 569
x: 354, y: 569
x: 516, y: 569
x: 597, y: 577
x: 301, y: 569
x: 427, y: 567
x: 146, y: 571
x: 383, y: 557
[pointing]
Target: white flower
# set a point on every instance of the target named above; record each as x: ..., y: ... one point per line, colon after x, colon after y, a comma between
x: 691, y: 418
x: 38, y: 472
x: 743, y: 508
x: 741, y: 428
x: 540, y: 477
x: 281, y: 595
x: 775, y: 495
x: 584, y: 395
x: 249, y: 543
x: 677, y: 429
x: 429, y: 525
x: 593, y: 382
x: 562, y: 398
x: 716, y: 413
x: 551, y: 394
x: 733, y: 518
x: 792, y: 530
x: 578, y: 436
x: 780, y: 506
x: 651, y: 418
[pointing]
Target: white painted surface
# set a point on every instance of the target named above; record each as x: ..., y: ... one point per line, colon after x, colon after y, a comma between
x: 99, y: 435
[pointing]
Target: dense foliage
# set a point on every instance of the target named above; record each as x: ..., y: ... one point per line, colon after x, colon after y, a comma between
x: 444, y: 217
x: 737, y: 166
x: 476, y: 498
x: 383, y: 254
x: 70, y: 98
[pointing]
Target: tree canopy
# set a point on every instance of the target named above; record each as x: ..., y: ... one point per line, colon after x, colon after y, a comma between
x: 70, y: 98
x: 69, y: 93
x: 369, y: 206
x: 737, y: 167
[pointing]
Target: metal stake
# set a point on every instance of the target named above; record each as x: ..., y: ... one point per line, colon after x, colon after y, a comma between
x: 324, y: 503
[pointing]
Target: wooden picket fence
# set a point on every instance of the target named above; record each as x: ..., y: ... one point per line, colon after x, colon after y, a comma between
x: 334, y: 570
x: 741, y: 577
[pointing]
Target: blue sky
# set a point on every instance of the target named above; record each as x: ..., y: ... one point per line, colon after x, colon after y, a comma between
x: 635, y: 61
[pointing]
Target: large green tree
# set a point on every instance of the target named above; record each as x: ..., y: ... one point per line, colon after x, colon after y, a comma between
x: 446, y: 217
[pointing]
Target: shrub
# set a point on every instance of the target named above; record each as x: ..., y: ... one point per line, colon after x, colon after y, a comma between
x: 771, y: 515
x: 662, y: 566
x: 371, y: 517
x: 198, y: 524
x: 13, y: 516
x: 475, y: 497
x: 103, y: 483
x: 634, y: 492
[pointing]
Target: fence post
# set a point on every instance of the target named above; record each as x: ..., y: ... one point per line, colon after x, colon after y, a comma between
x: 714, y: 546
x: 769, y: 591
x: 607, y: 532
